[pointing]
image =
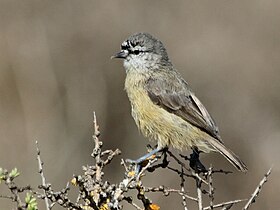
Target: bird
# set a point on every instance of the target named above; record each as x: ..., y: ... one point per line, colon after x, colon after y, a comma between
x: 164, y: 107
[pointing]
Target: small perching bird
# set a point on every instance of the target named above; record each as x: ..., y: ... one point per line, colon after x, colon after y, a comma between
x: 163, y: 105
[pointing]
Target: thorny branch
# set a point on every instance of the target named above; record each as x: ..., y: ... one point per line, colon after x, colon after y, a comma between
x: 257, y: 191
x: 211, y: 188
x: 224, y: 205
x: 96, y: 193
x: 44, y: 186
x: 199, y: 193
x: 183, y: 189
x: 8, y: 179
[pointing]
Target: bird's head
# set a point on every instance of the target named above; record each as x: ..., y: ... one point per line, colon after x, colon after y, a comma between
x: 143, y: 52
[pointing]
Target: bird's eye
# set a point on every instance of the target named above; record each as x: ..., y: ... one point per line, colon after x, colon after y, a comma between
x: 136, y: 52
x: 124, y: 47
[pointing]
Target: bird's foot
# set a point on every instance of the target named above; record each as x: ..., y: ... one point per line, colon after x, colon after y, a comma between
x: 144, y: 160
x: 195, y: 162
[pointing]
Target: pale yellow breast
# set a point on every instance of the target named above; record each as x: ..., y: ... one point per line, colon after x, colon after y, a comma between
x: 157, y: 123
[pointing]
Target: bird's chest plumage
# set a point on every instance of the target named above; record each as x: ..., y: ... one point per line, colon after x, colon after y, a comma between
x: 143, y: 110
x: 153, y: 121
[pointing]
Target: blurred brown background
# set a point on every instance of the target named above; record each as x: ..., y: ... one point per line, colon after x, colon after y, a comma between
x: 55, y: 69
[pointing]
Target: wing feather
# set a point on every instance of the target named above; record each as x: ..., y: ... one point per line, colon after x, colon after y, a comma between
x: 175, y: 96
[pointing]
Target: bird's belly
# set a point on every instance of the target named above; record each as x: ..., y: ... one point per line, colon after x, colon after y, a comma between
x: 166, y: 128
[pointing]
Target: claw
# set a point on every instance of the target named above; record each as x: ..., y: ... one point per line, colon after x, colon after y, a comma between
x: 142, y: 161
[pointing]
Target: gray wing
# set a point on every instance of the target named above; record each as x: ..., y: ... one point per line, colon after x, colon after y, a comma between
x: 175, y: 96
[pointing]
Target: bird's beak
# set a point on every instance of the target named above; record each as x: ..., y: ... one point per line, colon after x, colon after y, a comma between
x: 122, y: 54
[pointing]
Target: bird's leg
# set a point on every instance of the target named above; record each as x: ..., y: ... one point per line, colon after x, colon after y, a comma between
x: 195, y: 163
x: 144, y: 158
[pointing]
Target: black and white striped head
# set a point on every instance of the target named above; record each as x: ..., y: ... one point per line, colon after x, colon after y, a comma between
x: 143, y: 52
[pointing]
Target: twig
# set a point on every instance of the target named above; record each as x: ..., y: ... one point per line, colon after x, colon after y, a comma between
x: 8, y: 178
x: 7, y: 197
x: 227, y: 207
x: 211, y: 188
x: 96, y: 153
x: 183, y: 189
x: 257, y: 190
x: 166, y: 191
x: 221, y: 205
x: 221, y: 171
x: 132, y: 203
x: 78, y: 197
x: 40, y: 165
x: 199, y: 194
x: 111, y: 155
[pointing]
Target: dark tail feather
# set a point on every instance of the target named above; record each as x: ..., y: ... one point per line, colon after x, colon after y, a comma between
x: 229, y: 155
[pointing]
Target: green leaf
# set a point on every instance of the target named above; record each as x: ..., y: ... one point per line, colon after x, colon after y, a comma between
x: 2, y: 174
x: 31, y: 202
x: 14, y: 173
